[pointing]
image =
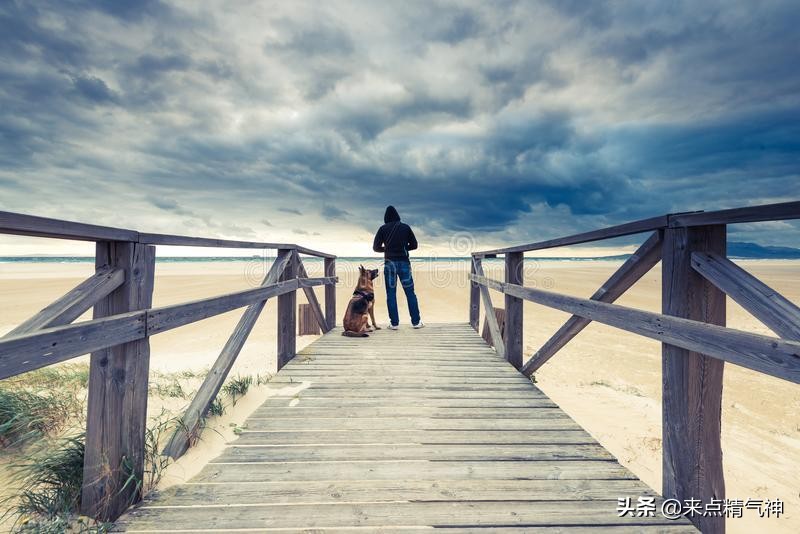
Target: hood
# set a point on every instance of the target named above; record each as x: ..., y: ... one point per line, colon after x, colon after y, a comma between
x: 391, y: 215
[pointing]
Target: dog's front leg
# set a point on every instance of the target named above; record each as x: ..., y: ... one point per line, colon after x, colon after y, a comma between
x: 372, y: 316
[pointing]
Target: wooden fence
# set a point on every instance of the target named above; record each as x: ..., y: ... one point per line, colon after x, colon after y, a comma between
x: 120, y: 293
x: 697, y: 276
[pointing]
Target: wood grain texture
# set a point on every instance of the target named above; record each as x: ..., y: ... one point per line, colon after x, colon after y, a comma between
x: 494, y: 327
x: 634, y: 268
x: 766, y: 304
x: 287, y: 315
x: 329, y: 266
x: 186, y: 433
x: 474, y: 301
x: 691, y: 380
x: 117, y: 391
x: 76, y: 301
x: 29, y: 225
x: 766, y: 212
x: 513, y: 334
x: 330, y: 450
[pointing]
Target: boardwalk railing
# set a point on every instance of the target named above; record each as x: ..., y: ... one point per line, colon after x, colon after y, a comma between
x: 697, y: 276
x: 117, y: 337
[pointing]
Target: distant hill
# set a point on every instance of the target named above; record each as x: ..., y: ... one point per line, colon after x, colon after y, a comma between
x: 751, y: 250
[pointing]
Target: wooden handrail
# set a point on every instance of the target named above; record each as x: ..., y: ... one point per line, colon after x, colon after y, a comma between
x: 33, y: 226
x: 696, y: 277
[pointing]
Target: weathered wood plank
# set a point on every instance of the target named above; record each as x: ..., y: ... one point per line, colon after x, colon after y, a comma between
x: 333, y: 453
x: 302, y: 401
x: 186, y: 433
x: 399, y: 490
x: 514, y: 272
x: 544, y: 409
x: 415, y: 470
x: 423, y: 392
x: 27, y: 352
x: 188, y: 241
x: 766, y: 212
x: 474, y: 301
x: 287, y: 316
x: 634, y: 268
x: 29, y: 225
x: 692, y: 381
x: 311, y: 297
x: 176, y: 315
x: 494, y: 328
x: 378, y: 515
x: 772, y: 356
x: 75, y: 302
x: 635, y: 227
x: 766, y: 304
x: 329, y: 266
x: 430, y: 437
x: 116, y: 420
x: 412, y: 423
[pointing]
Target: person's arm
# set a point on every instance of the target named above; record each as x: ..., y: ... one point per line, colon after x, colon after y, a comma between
x: 412, y: 240
x: 377, y: 243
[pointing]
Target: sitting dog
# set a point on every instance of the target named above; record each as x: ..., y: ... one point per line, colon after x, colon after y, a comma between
x: 360, y: 308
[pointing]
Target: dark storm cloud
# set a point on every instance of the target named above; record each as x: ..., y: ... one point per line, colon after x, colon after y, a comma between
x: 518, y: 119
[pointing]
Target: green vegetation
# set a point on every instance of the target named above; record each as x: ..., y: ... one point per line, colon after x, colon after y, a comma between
x: 237, y: 387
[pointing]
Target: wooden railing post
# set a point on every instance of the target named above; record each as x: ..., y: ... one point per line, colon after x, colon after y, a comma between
x: 330, y: 293
x: 287, y: 317
x: 474, y: 300
x: 117, y: 397
x: 515, y: 262
x: 692, y: 382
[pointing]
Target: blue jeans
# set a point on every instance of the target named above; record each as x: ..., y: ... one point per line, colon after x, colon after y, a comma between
x: 393, y: 270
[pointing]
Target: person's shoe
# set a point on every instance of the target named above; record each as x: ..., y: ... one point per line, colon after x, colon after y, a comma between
x: 419, y: 325
x: 394, y: 327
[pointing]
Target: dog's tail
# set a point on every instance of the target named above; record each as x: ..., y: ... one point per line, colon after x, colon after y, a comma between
x: 350, y: 333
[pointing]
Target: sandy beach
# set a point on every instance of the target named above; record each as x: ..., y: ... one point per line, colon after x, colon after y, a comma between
x: 609, y: 381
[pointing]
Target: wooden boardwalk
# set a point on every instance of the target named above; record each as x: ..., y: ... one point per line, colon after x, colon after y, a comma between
x: 400, y: 432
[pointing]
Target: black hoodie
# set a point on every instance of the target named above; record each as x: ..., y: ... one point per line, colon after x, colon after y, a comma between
x: 394, y: 238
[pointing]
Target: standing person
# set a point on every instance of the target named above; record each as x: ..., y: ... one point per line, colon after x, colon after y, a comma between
x: 395, y: 239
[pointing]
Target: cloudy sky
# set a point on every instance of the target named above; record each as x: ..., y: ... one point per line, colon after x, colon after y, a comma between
x: 299, y: 121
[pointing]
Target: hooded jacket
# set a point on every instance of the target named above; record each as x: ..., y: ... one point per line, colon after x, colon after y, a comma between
x: 395, y: 238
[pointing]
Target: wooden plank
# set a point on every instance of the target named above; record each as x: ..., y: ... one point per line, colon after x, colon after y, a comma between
x: 461, y: 514
x: 290, y: 453
x: 399, y: 490
x: 392, y: 381
x: 513, y: 333
x: 772, y: 356
x: 412, y: 423
x: 494, y: 328
x: 766, y: 212
x: 116, y: 420
x: 391, y: 438
x: 307, y: 324
x: 333, y: 403
x: 29, y: 225
x: 27, y: 352
x: 634, y: 268
x: 75, y: 302
x: 186, y: 433
x: 330, y: 292
x: 474, y: 301
x: 691, y: 380
x: 312, y: 252
x: 766, y: 304
x: 545, y: 409
x: 422, y: 393
x: 170, y: 317
x: 188, y: 241
x: 287, y: 316
x: 635, y: 227
x: 415, y: 470
x: 311, y: 297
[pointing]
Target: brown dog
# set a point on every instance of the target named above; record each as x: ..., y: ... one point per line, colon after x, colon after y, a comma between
x: 360, y: 308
